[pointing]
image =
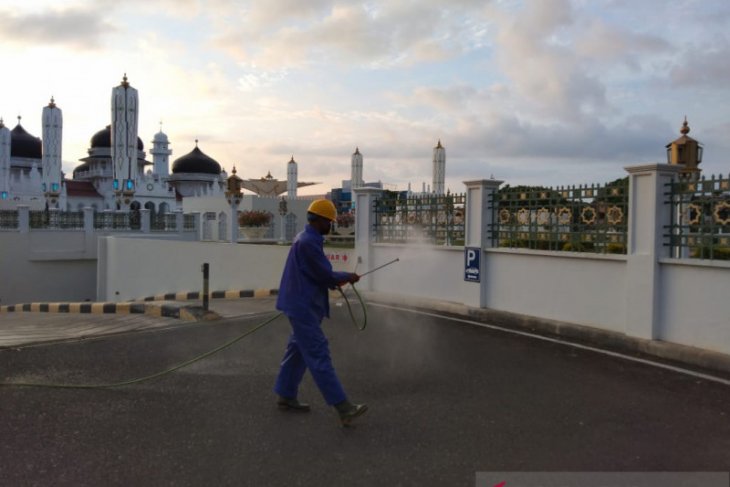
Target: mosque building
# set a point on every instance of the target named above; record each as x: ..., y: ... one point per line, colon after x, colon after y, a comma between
x: 115, y: 175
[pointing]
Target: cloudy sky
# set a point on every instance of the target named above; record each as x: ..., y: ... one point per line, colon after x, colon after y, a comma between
x: 530, y: 91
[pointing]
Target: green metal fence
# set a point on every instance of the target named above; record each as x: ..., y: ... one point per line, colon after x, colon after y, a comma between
x: 587, y: 218
x: 428, y: 218
x: 700, y: 217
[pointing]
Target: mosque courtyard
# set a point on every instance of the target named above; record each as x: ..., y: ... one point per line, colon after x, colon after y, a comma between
x: 447, y: 400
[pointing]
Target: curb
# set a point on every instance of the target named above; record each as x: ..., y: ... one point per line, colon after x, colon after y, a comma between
x: 145, y: 305
x: 187, y: 313
x: 609, y: 340
x: 197, y: 295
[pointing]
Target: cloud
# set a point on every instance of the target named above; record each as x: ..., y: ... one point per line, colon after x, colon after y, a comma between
x: 377, y: 34
x: 76, y: 27
x: 703, y: 65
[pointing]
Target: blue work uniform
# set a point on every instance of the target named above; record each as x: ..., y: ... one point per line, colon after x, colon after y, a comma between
x: 304, y: 299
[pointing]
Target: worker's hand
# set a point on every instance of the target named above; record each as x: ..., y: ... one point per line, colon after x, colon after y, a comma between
x: 351, y: 279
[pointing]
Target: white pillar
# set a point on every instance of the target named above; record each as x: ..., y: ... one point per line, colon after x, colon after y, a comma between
x: 291, y: 179
x: 125, y: 116
x: 23, y: 218
x: 145, y: 220
x: 648, y: 213
x: 439, y: 169
x: 478, y: 220
x: 179, y: 221
x: 4, y: 159
x: 88, y: 220
x: 52, y: 149
x: 364, y: 225
x: 356, y: 170
x: 234, y: 221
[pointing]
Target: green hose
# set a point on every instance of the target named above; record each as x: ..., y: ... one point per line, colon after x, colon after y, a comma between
x: 187, y: 362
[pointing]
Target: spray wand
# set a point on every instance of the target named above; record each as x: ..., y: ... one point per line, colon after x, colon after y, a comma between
x: 379, y: 267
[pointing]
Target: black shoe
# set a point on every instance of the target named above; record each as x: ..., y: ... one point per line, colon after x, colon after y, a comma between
x: 349, y: 412
x: 292, y: 404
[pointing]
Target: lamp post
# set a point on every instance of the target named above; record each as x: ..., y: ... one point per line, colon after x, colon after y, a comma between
x: 234, y: 196
x: 282, y: 212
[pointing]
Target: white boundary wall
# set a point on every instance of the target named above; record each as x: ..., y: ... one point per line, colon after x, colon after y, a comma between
x: 643, y: 294
x: 131, y: 268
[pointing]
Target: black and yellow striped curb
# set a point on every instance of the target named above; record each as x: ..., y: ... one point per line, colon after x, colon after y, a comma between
x: 197, y: 295
x: 188, y: 313
x: 144, y: 305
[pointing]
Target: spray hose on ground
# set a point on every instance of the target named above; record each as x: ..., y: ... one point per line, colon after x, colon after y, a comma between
x: 207, y: 354
x: 191, y: 361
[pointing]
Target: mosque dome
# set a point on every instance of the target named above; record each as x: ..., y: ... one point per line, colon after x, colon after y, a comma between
x: 23, y: 144
x: 196, y: 162
x: 81, y: 168
x: 103, y: 138
x: 160, y: 137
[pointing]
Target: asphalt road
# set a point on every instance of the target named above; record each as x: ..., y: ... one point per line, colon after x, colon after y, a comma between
x: 446, y: 400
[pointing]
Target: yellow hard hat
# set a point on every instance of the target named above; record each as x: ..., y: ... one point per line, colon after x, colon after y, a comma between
x: 324, y: 208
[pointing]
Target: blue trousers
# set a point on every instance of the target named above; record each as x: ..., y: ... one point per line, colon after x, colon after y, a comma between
x: 308, y: 348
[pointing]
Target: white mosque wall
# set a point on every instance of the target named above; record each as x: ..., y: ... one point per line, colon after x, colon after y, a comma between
x: 131, y: 268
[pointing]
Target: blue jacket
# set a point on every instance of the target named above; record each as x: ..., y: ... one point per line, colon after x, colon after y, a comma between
x: 303, y: 291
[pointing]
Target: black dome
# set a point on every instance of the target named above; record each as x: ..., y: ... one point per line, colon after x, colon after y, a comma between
x: 22, y: 144
x: 196, y: 162
x: 81, y: 168
x: 103, y: 138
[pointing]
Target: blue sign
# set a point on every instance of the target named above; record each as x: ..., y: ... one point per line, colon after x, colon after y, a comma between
x: 471, y: 263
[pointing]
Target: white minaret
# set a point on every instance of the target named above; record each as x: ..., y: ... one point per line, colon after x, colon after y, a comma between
x: 291, y: 179
x: 356, y: 171
x: 4, y: 160
x: 161, y: 154
x: 439, y: 168
x: 51, y: 159
x: 125, y: 115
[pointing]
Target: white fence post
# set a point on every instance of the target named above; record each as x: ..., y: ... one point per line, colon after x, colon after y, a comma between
x: 88, y: 220
x: 23, y: 218
x: 364, y: 226
x: 179, y: 221
x: 479, y: 218
x: 648, y: 213
x: 145, y: 219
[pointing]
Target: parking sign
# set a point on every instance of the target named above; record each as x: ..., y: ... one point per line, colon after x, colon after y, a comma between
x: 471, y: 263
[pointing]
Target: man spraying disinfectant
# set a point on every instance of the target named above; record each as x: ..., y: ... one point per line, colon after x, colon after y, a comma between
x: 304, y: 299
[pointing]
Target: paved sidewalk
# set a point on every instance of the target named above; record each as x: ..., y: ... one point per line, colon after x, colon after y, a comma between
x: 26, y: 328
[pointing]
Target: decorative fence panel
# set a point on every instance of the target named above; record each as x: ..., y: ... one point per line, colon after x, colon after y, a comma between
x: 9, y: 220
x: 38, y: 219
x: 165, y: 222
x: 588, y: 218
x: 71, y: 220
x: 430, y: 218
x: 700, y: 217
x: 188, y: 222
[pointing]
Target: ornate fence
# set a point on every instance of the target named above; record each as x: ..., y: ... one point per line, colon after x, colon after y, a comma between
x: 189, y: 222
x: 164, y: 222
x: 8, y: 220
x: 700, y: 217
x: 430, y: 218
x: 589, y: 218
